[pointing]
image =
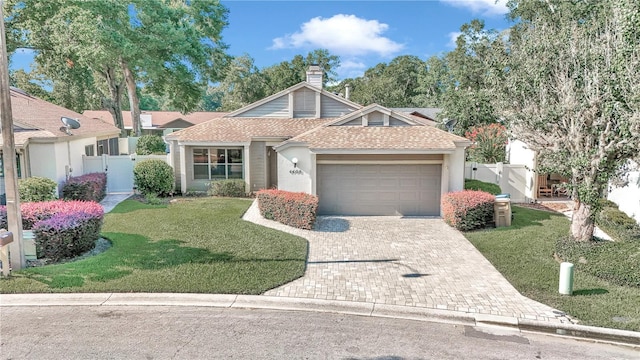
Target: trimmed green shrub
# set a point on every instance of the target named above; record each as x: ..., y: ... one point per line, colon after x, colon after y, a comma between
x: 36, y: 189
x: 228, y: 188
x: 612, y: 261
x: 153, y: 199
x: 87, y: 187
x: 605, y: 203
x: 618, y: 224
x: 150, y: 144
x: 293, y: 209
x: 491, y: 188
x: 468, y: 210
x: 153, y: 177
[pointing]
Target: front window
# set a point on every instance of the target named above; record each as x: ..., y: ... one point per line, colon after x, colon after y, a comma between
x: 217, y: 163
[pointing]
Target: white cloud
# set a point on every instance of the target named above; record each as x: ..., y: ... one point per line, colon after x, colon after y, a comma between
x: 351, y: 68
x: 453, y: 36
x: 484, y: 7
x: 342, y: 35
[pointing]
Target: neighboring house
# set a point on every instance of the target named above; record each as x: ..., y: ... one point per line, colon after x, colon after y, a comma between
x: 45, y: 148
x: 158, y: 122
x: 358, y: 160
x: 429, y: 114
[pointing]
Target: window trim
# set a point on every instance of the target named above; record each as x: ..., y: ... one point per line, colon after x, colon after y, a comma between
x: 212, y: 166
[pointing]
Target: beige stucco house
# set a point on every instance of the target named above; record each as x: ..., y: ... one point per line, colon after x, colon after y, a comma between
x: 45, y: 148
x: 358, y: 160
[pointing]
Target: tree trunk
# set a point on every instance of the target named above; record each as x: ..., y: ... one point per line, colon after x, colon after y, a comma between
x: 134, y: 102
x: 582, y: 225
x: 113, y: 104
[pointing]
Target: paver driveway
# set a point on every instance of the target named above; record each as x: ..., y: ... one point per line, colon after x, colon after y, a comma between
x: 419, y: 262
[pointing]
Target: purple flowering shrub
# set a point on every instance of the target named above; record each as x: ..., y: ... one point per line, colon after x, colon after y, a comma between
x: 87, y: 187
x: 62, y: 229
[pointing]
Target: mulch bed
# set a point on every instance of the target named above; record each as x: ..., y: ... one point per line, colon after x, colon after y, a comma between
x: 547, y: 206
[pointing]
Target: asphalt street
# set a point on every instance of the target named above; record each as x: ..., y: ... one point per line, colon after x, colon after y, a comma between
x: 163, y: 332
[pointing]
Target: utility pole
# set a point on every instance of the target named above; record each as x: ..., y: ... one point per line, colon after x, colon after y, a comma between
x: 14, y: 218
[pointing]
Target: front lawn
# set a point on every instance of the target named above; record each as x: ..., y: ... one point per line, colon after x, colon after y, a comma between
x: 523, y: 253
x: 192, y: 246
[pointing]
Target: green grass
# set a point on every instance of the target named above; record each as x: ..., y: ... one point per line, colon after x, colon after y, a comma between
x: 196, y: 245
x: 523, y: 253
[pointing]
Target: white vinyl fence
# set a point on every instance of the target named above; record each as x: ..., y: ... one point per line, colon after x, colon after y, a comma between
x: 628, y: 197
x: 119, y: 169
x: 512, y: 179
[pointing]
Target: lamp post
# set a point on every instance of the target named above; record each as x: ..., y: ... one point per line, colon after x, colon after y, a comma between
x: 14, y: 218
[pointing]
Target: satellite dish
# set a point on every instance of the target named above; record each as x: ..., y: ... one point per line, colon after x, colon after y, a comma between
x: 69, y: 124
x: 449, y: 124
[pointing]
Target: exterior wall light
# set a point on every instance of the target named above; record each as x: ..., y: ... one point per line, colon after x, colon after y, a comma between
x: 295, y: 162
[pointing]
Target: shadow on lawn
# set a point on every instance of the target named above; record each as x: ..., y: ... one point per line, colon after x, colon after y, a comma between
x: 129, y: 252
x: 523, y: 217
x: 590, y: 292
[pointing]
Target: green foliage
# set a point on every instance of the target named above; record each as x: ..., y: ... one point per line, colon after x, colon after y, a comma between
x: 608, y: 260
x: 243, y: 83
x: 491, y: 188
x: 35, y: 189
x: 228, y: 188
x: 393, y: 85
x: 618, y: 224
x: 150, y: 144
x: 153, y: 199
x: 196, y: 246
x: 488, y: 143
x: 153, y: 177
x: 85, y: 48
x: 551, y: 90
x: 523, y: 254
x: 468, y: 97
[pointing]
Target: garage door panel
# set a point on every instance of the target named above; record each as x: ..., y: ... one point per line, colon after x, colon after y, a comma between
x: 379, y: 189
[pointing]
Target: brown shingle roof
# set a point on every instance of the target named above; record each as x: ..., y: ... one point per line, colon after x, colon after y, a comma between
x: 158, y: 118
x: 44, y: 119
x: 245, y: 129
x: 419, y: 137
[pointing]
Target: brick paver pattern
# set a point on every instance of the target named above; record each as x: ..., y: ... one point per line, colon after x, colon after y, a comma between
x: 420, y: 262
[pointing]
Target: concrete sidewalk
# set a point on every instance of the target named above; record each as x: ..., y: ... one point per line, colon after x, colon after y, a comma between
x: 112, y: 199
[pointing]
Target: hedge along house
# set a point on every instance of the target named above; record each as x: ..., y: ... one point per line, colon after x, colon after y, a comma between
x: 358, y: 160
x: 44, y: 147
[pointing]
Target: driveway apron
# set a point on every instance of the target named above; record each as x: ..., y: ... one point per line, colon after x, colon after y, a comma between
x: 419, y: 262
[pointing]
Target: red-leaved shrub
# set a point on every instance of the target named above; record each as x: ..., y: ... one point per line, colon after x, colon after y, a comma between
x: 293, y: 209
x: 62, y: 229
x: 87, y: 187
x: 467, y: 210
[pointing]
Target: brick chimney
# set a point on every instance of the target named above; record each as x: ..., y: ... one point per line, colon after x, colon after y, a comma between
x: 314, y: 75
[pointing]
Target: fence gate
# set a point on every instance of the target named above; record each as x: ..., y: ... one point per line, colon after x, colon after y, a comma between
x: 119, y: 169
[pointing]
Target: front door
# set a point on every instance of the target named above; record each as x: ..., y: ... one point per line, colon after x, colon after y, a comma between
x: 272, y: 168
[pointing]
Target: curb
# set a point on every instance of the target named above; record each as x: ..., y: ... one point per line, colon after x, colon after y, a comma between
x: 592, y: 333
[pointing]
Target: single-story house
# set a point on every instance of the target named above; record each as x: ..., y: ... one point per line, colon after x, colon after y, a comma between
x: 358, y: 160
x: 45, y: 147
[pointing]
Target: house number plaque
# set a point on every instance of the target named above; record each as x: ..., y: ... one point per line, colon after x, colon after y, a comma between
x: 295, y: 172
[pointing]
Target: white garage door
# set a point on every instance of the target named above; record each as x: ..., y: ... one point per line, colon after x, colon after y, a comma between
x: 408, y: 190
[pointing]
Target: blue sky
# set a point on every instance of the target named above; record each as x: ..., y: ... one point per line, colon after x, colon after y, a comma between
x: 362, y: 33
